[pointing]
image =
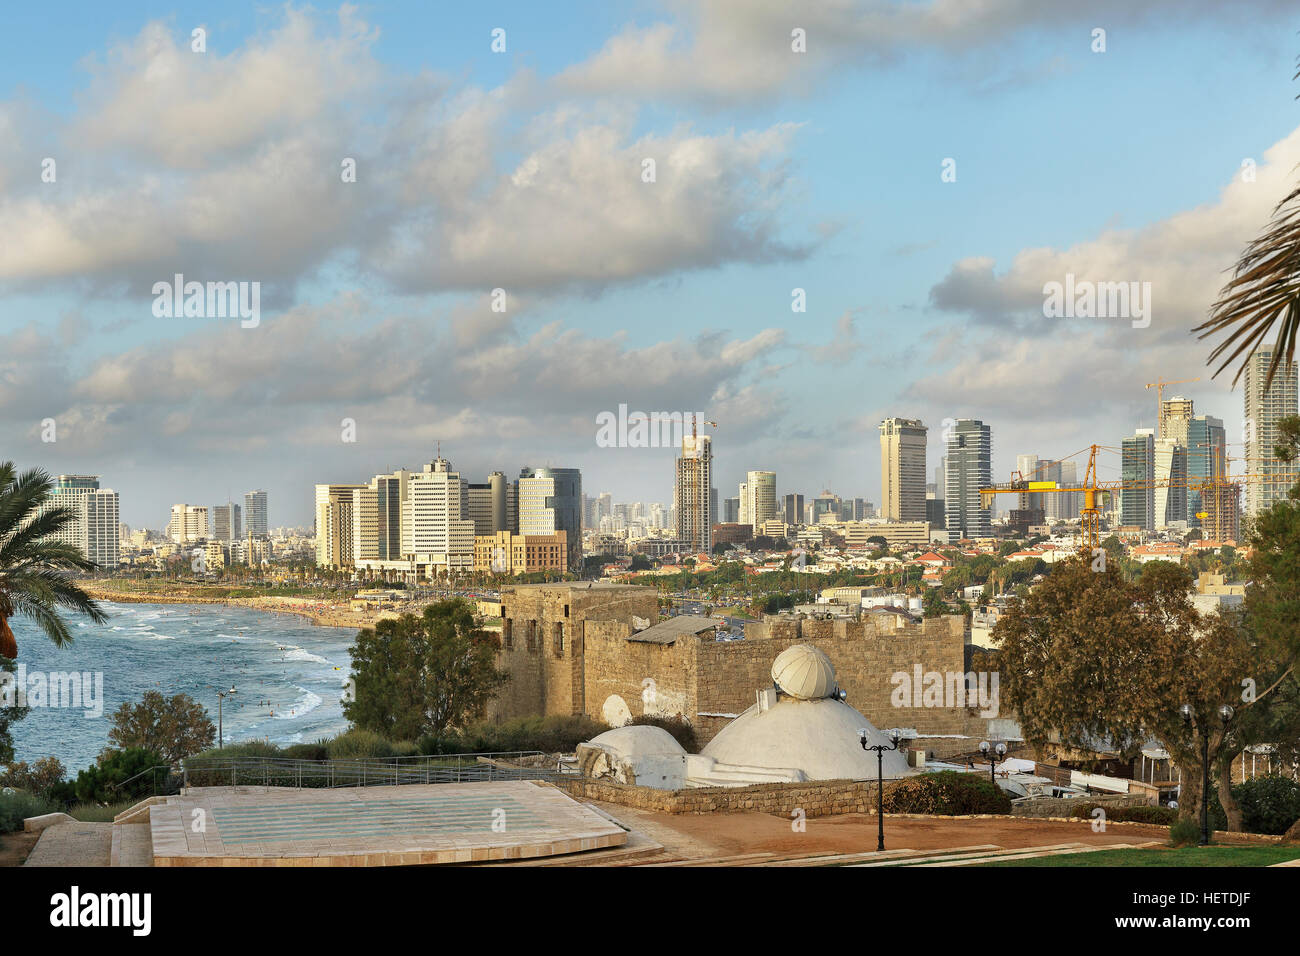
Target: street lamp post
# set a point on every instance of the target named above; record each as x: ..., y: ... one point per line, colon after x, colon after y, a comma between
x: 1188, y: 714
x: 221, y: 699
x: 880, y: 780
x: 995, y: 755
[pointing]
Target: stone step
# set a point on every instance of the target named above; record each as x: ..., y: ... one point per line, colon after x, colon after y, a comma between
x: 132, y: 845
x: 959, y: 854
x: 843, y: 858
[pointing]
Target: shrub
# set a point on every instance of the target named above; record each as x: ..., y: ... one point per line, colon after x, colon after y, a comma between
x: 38, y: 778
x: 17, y: 806
x: 1160, y: 815
x: 1184, y: 832
x: 1268, y: 804
x: 358, y: 745
x: 677, y: 725
x: 100, y: 783
x: 946, y: 793
x: 243, y: 748
x: 554, y: 734
x: 316, y: 751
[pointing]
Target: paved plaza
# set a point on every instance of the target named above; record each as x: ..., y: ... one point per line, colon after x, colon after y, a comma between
x: 374, y: 826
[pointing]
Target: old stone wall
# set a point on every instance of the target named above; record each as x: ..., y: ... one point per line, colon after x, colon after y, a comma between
x: 1058, y: 807
x: 816, y: 799
x: 542, y: 635
x: 567, y: 650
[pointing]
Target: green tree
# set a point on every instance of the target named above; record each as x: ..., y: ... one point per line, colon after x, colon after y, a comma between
x: 1089, y: 656
x: 173, y: 728
x: 36, y: 569
x: 422, y: 675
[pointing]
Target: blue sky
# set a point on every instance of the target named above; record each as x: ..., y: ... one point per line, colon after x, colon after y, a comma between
x: 520, y: 170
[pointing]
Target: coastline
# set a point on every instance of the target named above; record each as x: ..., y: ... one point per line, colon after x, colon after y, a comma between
x: 317, y: 612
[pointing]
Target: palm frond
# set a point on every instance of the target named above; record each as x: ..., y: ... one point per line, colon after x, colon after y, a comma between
x: 1263, y: 296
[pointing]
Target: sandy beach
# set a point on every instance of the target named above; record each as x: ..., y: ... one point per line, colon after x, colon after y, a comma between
x: 324, y: 613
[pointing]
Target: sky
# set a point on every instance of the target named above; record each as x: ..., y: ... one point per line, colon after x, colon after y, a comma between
x: 919, y: 170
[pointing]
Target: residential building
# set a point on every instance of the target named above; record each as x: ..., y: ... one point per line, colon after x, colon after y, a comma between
x: 188, y: 524
x: 1264, y: 409
x: 692, y: 492
x: 334, y: 525
x: 758, y: 499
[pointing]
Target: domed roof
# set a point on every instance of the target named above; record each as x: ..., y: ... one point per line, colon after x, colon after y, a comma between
x: 804, y: 672
x: 638, y: 741
x: 823, y: 738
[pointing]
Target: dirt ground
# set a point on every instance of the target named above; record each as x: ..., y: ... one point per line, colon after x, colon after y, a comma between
x: 14, y: 847
x: 734, y: 834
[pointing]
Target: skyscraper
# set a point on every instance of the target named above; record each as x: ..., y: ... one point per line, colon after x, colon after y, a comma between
x: 95, y: 528
x: 1206, y: 459
x: 550, y: 501
x: 226, y: 523
x: 902, y: 469
x: 692, y: 492
x: 758, y: 499
x: 188, y: 524
x: 1263, y: 411
x: 1137, y: 498
x: 969, y: 468
x: 334, y: 525
x: 792, y: 509
x: 255, y: 513
x: 1170, y: 472
x: 1175, y: 414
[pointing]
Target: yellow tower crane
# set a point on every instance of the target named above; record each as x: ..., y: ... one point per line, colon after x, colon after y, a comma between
x: 1092, y: 489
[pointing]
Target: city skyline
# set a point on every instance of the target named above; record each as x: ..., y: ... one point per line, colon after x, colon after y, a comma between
x: 761, y: 275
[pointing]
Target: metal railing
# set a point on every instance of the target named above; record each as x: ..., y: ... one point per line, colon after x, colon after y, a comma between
x: 362, y: 772
x: 151, y: 782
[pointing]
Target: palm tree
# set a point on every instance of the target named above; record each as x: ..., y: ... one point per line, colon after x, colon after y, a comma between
x: 36, y: 569
x: 1264, y: 292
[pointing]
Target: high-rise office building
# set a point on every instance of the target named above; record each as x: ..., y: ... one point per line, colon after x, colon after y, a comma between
x: 693, y: 492
x: 1264, y: 409
x: 255, y: 514
x: 792, y: 509
x: 1207, y: 450
x: 437, y: 530
x: 940, y: 477
x: 731, y: 510
x: 1170, y: 472
x: 549, y: 500
x: 969, y: 468
x: 1137, y: 497
x: 1062, y: 505
x: 226, y: 524
x: 902, y: 469
x: 758, y: 499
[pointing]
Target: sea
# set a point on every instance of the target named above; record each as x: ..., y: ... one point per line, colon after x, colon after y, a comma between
x: 289, y: 675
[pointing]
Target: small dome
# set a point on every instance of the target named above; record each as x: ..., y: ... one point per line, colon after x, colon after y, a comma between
x: 804, y: 672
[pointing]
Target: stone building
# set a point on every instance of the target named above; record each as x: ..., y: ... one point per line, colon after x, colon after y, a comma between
x: 601, y: 650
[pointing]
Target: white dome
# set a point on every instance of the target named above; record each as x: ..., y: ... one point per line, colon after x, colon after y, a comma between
x: 804, y: 672
x: 638, y: 741
x: 820, y: 737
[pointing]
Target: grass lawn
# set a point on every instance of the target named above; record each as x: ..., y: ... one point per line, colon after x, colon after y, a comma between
x: 1163, y: 856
